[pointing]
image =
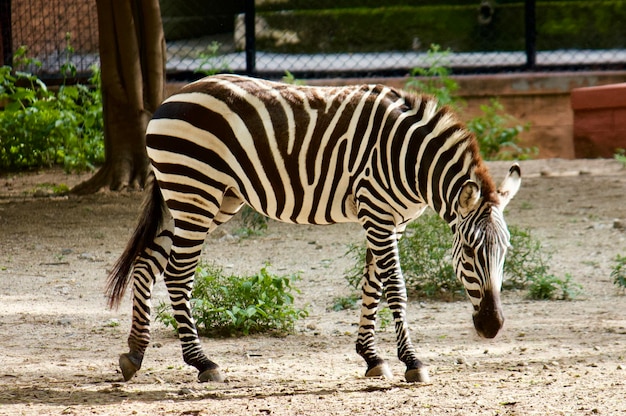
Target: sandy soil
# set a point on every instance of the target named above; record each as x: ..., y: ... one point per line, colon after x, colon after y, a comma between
x: 59, y: 344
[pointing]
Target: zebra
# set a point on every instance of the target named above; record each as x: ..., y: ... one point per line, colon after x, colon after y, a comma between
x: 369, y: 154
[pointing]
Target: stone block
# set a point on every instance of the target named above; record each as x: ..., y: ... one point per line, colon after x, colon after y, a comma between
x: 599, y: 120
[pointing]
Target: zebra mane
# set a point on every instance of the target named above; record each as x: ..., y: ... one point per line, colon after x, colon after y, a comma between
x: 479, y: 171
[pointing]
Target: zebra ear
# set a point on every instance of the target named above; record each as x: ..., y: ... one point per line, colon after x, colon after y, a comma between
x: 469, y: 195
x: 509, y: 186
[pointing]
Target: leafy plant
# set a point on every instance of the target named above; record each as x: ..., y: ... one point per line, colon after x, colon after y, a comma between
x: 384, y: 317
x: 342, y: 303
x: 425, y: 255
x: 290, y: 78
x: 229, y: 305
x: 620, y: 156
x: 211, y: 62
x: 618, y: 273
x: 526, y: 259
x: 496, y: 131
x: 550, y: 287
x: 254, y: 223
x: 435, y: 79
x: 40, y: 127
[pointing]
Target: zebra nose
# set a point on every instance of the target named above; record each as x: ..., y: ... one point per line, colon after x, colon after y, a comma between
x: 489, y: 319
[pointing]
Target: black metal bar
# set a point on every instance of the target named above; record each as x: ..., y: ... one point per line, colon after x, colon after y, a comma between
x: 249, y: 19
x: 530, y: 29
x: 6, y: 38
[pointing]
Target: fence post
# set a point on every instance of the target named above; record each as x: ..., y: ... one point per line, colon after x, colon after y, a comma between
x: 249, y: 19
x: 6, y: 43
x: 530, y: 29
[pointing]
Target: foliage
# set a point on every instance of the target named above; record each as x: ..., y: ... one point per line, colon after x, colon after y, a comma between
x: 618, y: 273
x: 254, y: 223
x: 550, y: 287
x: 620, y: 156
x: 411, y: 25
x: 435, y: 79
x: 425, y: 256
x: 211, y: 62
x: 230, y: 305
x: 496, y: 131
x: 526, y: 259
x: 342, y: 303
x: 40, y: 127
x: 290, y: 78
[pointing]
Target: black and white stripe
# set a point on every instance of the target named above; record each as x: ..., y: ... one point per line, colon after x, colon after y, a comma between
x: 312, y: 155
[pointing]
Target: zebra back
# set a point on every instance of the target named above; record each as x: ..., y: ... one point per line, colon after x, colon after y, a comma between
x: 284, y: 148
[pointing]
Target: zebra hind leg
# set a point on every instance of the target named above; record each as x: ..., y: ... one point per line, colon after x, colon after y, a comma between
x: 179, y: 274
x: 147, y: 267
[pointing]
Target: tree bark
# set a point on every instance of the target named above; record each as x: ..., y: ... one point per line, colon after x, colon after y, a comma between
x: 132, y: 60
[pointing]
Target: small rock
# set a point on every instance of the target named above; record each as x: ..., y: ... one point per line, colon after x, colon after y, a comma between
x: 618, y: 224
x: 64, y: 322
x: 87, y: 256
x: 42, y: 193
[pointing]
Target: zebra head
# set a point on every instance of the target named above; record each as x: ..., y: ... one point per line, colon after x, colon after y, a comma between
x: 480, y: 244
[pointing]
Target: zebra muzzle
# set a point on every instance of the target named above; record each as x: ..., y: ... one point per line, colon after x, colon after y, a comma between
x: 489, y: 319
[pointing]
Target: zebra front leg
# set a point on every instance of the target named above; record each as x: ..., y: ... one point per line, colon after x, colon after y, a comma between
x: 366, y: 344
x: 395, y: 291
x: 147, y: 267
x: 179, y: 275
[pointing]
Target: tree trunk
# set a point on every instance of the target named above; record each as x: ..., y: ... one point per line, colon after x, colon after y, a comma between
x: 132, y: 59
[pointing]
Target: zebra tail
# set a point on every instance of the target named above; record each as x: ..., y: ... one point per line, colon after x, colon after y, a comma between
x: 150, y: 222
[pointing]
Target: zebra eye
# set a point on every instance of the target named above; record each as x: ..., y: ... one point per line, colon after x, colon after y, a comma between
x: 468, y: 251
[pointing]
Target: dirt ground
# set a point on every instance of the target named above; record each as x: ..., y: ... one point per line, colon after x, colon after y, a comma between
x: 59, y: 343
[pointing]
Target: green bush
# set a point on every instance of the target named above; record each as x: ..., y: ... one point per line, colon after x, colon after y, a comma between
x: 550, y: 287
x: 526, y: 260
x: 355, y: 26
x: 40, y: 127
x: 618, y: 273
x: 425, y: 256
x: 620, y: 156
x: 231, y: 305
x: 496, y: 131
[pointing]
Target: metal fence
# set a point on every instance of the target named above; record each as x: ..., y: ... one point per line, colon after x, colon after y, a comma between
x: 485, y: 37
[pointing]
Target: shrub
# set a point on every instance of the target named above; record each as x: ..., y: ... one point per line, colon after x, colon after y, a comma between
x: 230, y: 305
x: 40, y: 127
x: 620, y: 156
x: 425, y: 255
x: 550, y: 287
x: 526, y: 259
x: 496, y: 131
x: 618, y: 273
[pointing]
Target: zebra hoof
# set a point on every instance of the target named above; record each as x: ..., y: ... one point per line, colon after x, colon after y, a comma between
x: 212, y: 374
x: 417, y: 375
x: 129, y: 365
x: 381, y: 370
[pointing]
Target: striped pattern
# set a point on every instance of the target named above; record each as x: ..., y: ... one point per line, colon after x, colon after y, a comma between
x: 312, y: 155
